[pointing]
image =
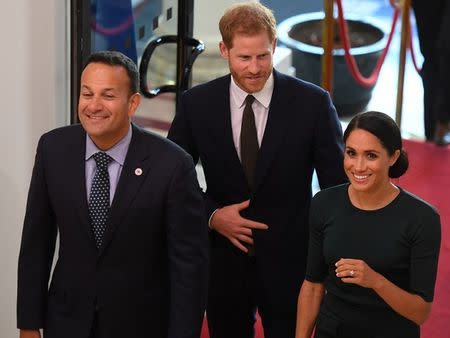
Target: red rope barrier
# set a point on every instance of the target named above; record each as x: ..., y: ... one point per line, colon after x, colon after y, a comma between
x: 113, y: 30
x: 351, y: 63
x: 122, y: 27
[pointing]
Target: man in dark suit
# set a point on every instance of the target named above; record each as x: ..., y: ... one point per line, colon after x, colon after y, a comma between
x: 433, y: 27
x: 257, y: 200
x: 133, y: 267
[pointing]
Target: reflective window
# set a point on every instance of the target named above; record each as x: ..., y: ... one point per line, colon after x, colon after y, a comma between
x: 129, y: 26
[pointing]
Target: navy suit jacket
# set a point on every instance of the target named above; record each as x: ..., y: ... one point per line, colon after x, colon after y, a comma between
x: 150, y: 276
x: 302, y: 133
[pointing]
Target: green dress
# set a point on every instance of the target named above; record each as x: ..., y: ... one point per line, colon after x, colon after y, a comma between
x: 400, y: 241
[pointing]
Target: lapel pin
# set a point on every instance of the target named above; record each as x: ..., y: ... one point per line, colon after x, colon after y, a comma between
x: 138, y: 172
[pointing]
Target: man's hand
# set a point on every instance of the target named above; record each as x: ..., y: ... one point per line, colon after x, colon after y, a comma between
x: 30, y: 334
x: 229, y: 223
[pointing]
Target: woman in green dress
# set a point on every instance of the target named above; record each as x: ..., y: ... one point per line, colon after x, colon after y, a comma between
x: 373, y: 247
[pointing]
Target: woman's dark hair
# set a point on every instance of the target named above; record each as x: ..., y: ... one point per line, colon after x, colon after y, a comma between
x: 387, y: 131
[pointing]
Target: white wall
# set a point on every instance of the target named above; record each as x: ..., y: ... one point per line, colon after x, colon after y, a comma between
x: 33, y: 96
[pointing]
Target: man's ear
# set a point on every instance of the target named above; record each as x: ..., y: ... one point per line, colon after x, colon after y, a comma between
x: 224, y: 50
x: 133, y: 103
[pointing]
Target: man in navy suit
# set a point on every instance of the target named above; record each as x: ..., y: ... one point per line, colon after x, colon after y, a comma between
x: 257, y: 201
x: 143, y: 272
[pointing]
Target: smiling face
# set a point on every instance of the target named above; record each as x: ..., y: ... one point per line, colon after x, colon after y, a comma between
x: 367, y: 162
x: 106, y: 105
x: 250, y: 60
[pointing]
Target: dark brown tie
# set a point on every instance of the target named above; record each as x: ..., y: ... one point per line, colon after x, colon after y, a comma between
x: 249, y: 142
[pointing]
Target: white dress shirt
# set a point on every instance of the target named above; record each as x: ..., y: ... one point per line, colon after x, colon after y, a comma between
x: 117, y: 153
x: 260, y: 108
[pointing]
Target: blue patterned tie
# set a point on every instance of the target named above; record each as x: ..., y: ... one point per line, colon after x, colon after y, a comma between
x: 99, y: 197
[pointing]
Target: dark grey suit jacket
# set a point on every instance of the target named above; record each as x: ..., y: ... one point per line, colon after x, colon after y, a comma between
x: 150, y: 276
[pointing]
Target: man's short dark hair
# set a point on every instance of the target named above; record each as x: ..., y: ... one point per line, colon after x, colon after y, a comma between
x: 115, y: 58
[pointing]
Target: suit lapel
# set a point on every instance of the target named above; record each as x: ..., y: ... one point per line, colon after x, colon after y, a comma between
x: 277, y: 122
x: 134, y: 171
x: 77, y: 179
x: 222, y: 132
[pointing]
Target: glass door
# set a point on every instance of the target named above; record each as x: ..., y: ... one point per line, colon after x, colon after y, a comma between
x: 156, y: 34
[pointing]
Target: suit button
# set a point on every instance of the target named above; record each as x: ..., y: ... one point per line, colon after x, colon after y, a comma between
x: 97, y: 306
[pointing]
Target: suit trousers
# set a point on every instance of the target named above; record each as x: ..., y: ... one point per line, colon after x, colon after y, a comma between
x: 433, y: 30
x: 94, y: 328
x: 235, y: 294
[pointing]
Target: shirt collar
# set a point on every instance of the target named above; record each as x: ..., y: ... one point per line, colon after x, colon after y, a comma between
x: 263, y: 96
x: 118, y: 152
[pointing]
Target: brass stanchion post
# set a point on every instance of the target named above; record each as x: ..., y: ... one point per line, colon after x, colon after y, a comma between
x: 327, y: 44
x: 406, y: 5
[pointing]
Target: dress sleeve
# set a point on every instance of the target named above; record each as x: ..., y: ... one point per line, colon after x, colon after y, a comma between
x: 424, y: 255
x: 316, y: 269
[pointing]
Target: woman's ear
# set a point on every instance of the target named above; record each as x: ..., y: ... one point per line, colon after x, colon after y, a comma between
x: 394, y: 157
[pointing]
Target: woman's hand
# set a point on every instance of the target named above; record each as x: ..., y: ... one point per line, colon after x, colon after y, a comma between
x: 356, y: 271
x: 409, y: 305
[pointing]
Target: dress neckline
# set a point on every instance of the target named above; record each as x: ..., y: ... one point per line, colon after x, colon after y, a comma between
x: 391, y: 203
